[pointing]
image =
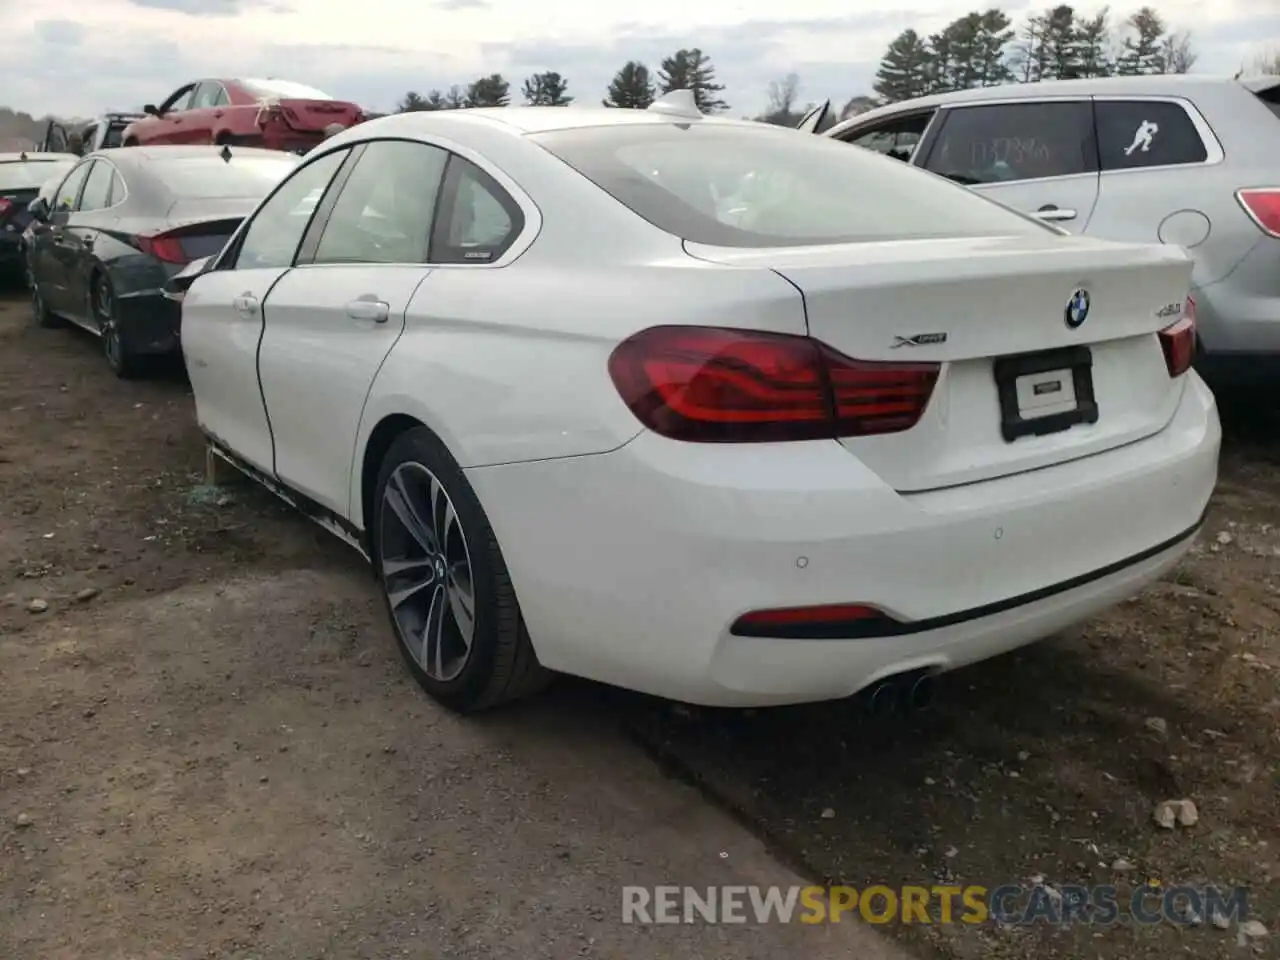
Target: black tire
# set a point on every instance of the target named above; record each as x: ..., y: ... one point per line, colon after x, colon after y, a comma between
x: 123, y: 360
x: 501, y: 665
x: 40, y: 312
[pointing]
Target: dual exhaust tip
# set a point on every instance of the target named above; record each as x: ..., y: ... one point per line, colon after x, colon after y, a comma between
x: 909, y: 692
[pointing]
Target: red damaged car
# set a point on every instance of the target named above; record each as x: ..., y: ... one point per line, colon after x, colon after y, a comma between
x: 274, y: 114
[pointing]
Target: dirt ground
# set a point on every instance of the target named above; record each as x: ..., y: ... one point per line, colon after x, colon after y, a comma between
x: 209, y: 748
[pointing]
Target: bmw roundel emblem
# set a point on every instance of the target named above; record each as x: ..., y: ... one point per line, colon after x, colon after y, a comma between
x: 1077, y: 309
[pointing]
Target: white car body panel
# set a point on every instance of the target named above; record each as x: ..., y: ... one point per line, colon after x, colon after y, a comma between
x: 220, y: 346
x: 632, y: 554
x: 317, y: 363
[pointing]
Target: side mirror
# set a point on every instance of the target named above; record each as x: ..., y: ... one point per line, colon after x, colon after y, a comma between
x: 176, y: 287
x: 151, y: 110
x: 39, y: 209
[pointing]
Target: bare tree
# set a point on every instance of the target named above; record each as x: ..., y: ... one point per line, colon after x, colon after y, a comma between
x: 1177, y: 54
x: 1265, y: 64
x: 783, y: 94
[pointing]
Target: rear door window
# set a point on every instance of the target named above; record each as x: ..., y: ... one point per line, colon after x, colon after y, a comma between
x: 97, y: 188
x: 1147, y: 133
x: 1007, y: 142
x: 385, y: 209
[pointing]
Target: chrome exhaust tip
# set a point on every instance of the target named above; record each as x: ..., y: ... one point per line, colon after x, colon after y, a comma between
x: 884, y: 699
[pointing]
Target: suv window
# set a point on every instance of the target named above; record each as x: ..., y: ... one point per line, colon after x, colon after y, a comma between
x: 998, y: 143
x: 479, y: 220
x: 65, y: 201
x: 385, y: 209
x: 897, y: 137
x: 1151, y: 133
x: 273, y: 236
x: 97, y: 189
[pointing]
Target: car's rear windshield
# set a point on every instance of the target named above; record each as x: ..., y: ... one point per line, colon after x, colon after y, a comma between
x: 212, y: 178
x: 763, y: 186
x: 31, y: 174
x: 284, y: 89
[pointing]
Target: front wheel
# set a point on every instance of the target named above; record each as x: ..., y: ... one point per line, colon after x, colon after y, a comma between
x: 116, y: 344
x: 445, y: 583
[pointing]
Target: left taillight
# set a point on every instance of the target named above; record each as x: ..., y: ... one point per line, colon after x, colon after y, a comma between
x: 6, y: 205
x: 720, y: 385
x: 1178, y: 341
x: 164, y: 247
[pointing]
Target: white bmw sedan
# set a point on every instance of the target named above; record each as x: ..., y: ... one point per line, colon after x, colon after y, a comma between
x: 708, y: 409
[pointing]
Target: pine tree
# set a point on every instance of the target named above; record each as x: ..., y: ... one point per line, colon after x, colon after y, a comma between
x: 942, y: 62
x: 490, y: 91
x: 1061, y: 44
x: 631, y: 87
x: 1144, y: 51
x: 412, y: 102
x: 904, y: 69
x: 995, y: 33
x: 547, y: 89
x: 455, y: 98
x: 1031, y: 57
x: 1093, y: 37
x: 691, y: 69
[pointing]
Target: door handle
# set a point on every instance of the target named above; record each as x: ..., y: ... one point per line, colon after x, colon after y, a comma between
x: 246, y: 304
x: 1055, y: 214
x: 369, y: 309
x: 217, y: 113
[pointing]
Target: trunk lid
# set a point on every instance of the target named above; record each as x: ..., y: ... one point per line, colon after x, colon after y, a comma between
x: 994, y: 298
x: 312, y: 116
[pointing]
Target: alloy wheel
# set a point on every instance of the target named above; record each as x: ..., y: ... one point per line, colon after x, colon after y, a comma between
x: 104, y: 307
x: 426, y: 571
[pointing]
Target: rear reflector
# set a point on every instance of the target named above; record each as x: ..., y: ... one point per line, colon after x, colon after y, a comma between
x: 828, y: 621
x: 163, y: 247
x: 719, y: 385
x: 1262, y: 204
x: 1178, y: 340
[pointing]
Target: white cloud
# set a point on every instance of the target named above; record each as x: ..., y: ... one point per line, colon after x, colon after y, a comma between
x: 126, y: 52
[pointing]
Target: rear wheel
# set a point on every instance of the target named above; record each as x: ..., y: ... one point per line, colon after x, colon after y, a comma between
x: 445, y: 583
x: 116, y: 345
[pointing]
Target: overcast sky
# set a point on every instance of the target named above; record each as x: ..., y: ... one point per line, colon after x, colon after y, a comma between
x: 81, y: 58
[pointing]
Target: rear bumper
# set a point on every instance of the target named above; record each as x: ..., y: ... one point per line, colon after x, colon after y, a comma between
x: 151, y: 322
x: 631, y: 566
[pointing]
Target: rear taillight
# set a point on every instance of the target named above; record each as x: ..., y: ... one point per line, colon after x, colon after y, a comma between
x: 1178, y: 340
x: 163, y: 247
x: 1262, y: 204
x: 5, y: 206
x: 717, y: 385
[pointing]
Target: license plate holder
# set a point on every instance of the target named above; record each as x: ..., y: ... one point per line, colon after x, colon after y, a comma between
x: 1045, y: 392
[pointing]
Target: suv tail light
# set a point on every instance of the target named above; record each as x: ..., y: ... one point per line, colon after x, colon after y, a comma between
x: 1178, y: 340
x: 1262, y: 204
x: 719, y: 385
x: 163, y: 247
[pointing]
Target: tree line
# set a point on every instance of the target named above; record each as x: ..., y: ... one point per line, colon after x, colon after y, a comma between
x: 981, y: 48
x: 984, y: 49
x: 632, y: 87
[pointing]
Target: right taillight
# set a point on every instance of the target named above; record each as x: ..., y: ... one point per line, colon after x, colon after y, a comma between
x: 1178, y: 340
x: 1262, y: 204
x: 718, y: 385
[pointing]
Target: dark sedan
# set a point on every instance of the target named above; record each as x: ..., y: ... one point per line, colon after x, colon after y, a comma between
x: 21, y: 176
x: 126, y: 220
